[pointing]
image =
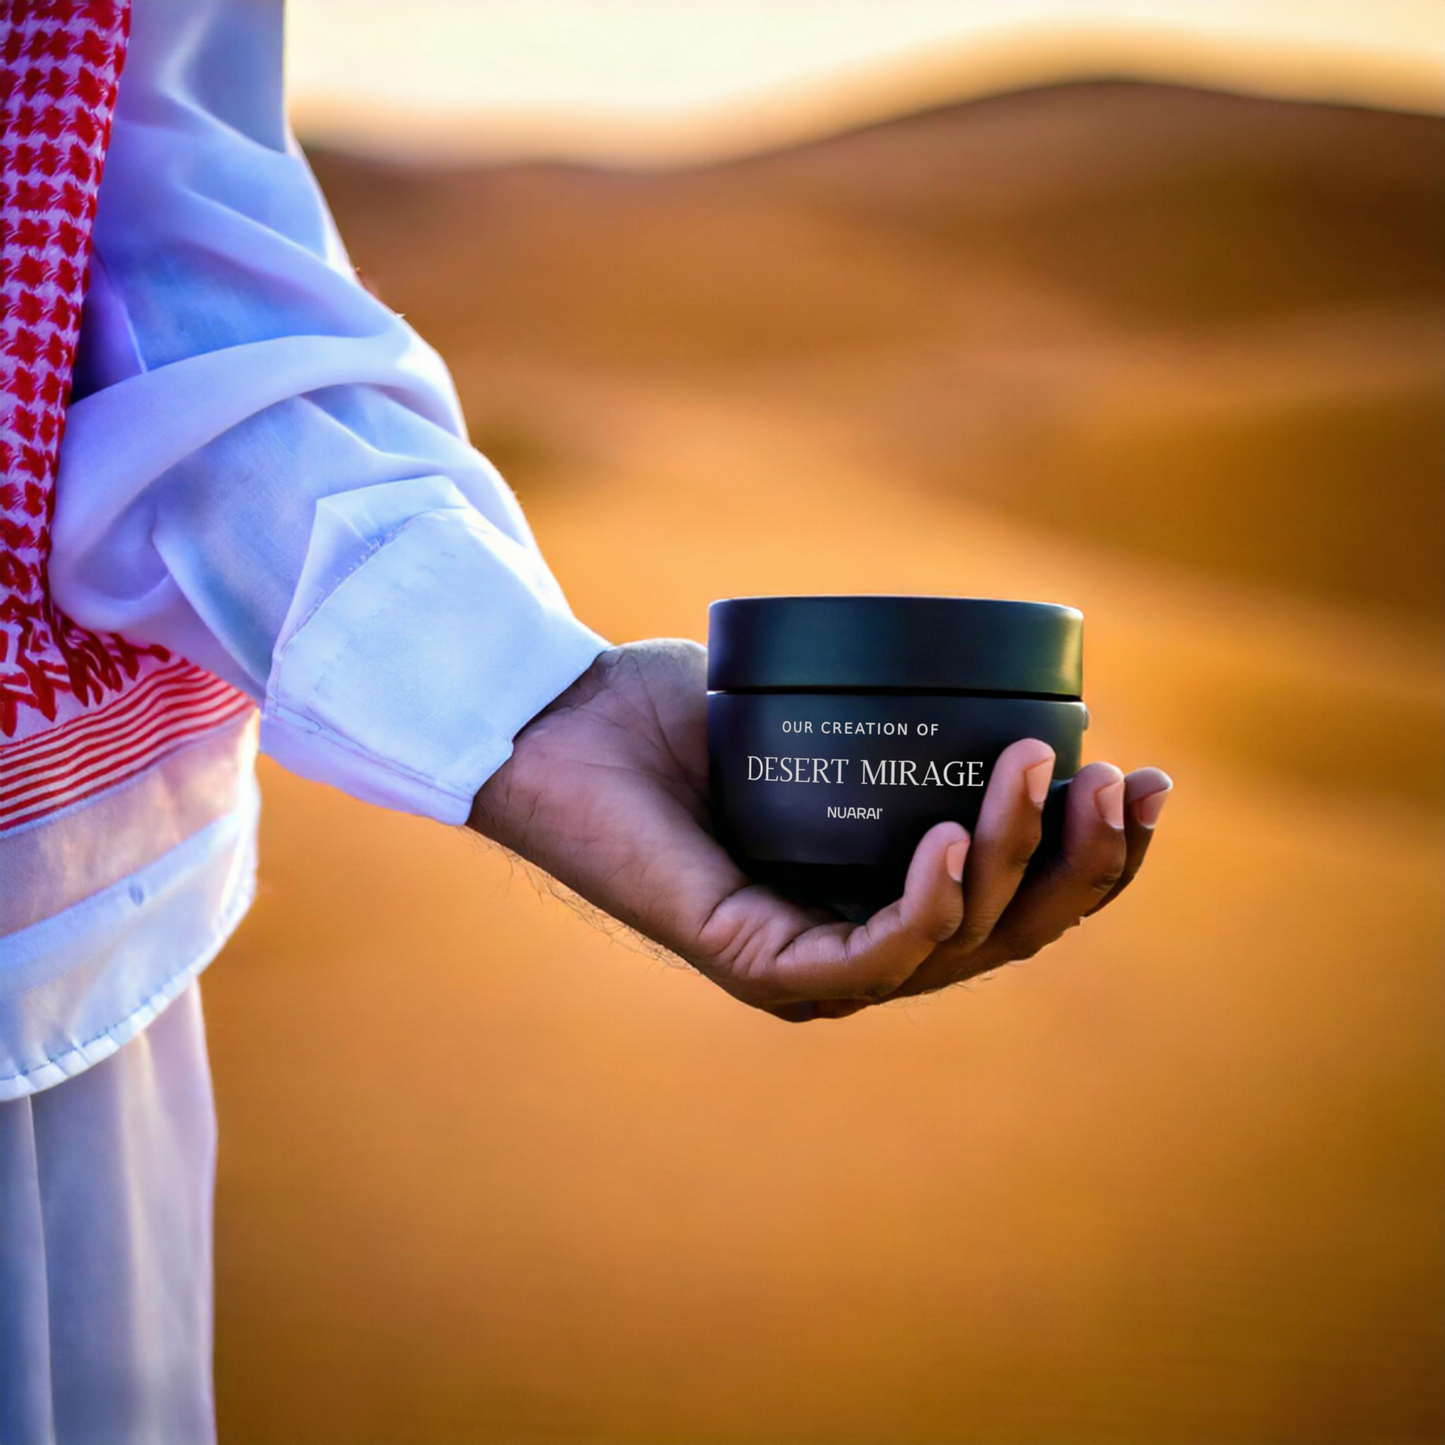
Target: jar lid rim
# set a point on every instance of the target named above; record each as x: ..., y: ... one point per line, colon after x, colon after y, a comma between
x: 894, y: 640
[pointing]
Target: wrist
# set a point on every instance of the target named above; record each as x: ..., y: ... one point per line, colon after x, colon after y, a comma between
x: 499, y: 797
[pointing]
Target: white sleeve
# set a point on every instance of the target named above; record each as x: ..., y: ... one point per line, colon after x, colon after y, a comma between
x: 266, y: 470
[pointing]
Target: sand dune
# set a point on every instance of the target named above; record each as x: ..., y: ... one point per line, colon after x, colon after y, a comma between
x: 1169, y: 356
x: 1216, y: 322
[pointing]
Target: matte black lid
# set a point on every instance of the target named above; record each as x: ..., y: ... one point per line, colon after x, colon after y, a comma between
x: 935, y: 644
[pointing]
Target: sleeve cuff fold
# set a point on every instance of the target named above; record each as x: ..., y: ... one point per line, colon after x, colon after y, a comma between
x: 404, y: 682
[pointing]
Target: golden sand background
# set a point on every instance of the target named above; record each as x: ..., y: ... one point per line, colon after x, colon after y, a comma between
x: 488, y: 1175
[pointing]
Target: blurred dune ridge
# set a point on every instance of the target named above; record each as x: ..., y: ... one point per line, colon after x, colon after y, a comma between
x: 638, y: 82
x: 1175, y: 357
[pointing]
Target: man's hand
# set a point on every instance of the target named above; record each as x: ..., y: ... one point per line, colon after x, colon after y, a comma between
x: 607, y: 791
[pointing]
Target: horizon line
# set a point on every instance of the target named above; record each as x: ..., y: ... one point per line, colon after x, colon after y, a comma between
x: 1389, y: 78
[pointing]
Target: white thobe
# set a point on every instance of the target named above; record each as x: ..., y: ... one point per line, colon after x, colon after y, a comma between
x: 265, y: 470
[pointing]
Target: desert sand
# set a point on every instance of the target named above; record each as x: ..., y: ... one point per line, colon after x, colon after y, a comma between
x: 490, y: 1174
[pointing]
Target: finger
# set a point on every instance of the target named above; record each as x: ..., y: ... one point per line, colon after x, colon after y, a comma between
x: 1086, y: 871
x: 1010, y: 823
x: 867, y: 962
x: 1145, y: 792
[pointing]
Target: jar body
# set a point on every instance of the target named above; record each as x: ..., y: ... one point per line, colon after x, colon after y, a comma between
x: 824, y: 795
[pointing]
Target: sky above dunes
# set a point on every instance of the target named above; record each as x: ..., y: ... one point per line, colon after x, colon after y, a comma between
x: 662, y: 81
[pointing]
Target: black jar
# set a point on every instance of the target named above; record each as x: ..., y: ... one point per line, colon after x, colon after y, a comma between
x: 840, y: 729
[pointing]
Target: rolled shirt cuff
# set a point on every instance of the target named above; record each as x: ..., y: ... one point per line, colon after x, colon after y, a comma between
x: 416, y: 648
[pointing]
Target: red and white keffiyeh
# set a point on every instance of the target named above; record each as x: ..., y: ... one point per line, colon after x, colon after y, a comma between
x: 80, y: 712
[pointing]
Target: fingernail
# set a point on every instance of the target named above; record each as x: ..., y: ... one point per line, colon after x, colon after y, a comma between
x: 953, y: 859
x: 1110, y: 802
x: 1148, y: 808
x: 1037, y: 780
